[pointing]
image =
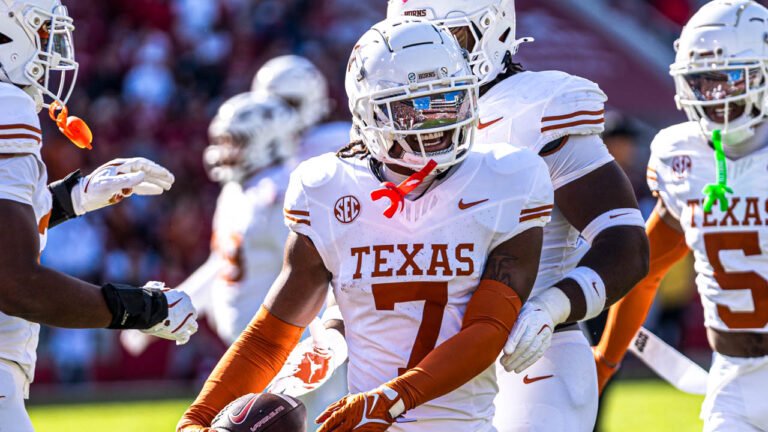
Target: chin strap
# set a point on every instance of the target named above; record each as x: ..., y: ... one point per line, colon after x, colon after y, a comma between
x: 73, y: 127
x: 716, y: 191
x: 397, y: 194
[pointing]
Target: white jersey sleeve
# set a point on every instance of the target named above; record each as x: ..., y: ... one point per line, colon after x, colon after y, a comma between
x: 19, y: 178
x: 576, y: 107
x: 537, y: 208
x: 577, y: 156
x: 19, y: 124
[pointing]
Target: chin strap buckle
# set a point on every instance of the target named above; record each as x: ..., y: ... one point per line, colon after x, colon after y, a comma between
x: 397, y: 194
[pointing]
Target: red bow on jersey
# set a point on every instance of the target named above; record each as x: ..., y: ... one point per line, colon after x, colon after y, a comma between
x: 397, y: 194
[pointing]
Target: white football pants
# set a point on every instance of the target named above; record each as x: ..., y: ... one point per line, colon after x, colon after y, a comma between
x: 13, y: 390
x: 737, y: 395
x: 557, y: 394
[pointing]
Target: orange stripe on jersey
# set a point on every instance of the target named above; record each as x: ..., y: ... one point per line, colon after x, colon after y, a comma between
x: 21, y: 126
x: 535, y: 216
x: 296, y: 212
x: 572, y: 115
x: 42, y: 227
x: 654, y: 178
x: 537, y: 209
x: 572, y: 124
x: 649, y: 169
x: 35, y: 138
x: 296, y: 220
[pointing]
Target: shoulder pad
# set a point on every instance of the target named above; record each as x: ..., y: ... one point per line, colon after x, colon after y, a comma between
x: 576, y: 107
x: 677, y: 137
x: 17, y: 107
x: 19, y: 124
x: 318, y: 171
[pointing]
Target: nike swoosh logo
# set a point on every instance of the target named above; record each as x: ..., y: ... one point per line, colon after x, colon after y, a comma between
x: 615, y: 216
x: 239, y: 418
x: 594, y: 286
x: 464, y: 206
x: 481, y: 125
x: 527, y: 380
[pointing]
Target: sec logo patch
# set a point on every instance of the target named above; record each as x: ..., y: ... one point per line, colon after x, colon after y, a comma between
x: 347, y: 209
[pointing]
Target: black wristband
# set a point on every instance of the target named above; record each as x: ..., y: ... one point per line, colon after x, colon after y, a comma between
x: 62, y: 209
x: 134, y: 308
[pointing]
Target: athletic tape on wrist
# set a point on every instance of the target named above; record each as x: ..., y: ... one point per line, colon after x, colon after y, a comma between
x: 612, y: 218
x: 592, y: 286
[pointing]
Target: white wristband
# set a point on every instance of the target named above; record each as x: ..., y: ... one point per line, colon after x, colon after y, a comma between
x: 612, y: 218
x: 592, y: 286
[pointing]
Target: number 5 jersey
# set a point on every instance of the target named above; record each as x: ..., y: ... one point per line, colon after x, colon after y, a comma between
x: 403, y: 284
x: 729, y: 247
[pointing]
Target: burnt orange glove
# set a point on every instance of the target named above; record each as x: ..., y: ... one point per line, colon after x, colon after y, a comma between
x: 373, y: 411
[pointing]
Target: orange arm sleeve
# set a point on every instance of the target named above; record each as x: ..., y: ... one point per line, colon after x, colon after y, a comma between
x: 247, y: 367
x: 625, y: 317
x: 490, y: 315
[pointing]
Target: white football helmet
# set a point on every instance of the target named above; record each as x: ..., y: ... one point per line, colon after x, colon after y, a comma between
x: 299, y: 83
x: 250, y: 132
x: 412, y: 94
x: 720, y: 69
x: 485, y: 28
x: 36, y: 49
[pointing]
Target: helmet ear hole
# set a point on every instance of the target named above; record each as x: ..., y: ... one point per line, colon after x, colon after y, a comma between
x: 5, y: 39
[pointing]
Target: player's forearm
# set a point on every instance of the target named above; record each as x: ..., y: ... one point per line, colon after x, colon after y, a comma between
x: 48, y: 297
x: 619, y: 256
x: 441, y: 372
x: 625, y: 318
x: 248, y: 366
x: 488, y: 320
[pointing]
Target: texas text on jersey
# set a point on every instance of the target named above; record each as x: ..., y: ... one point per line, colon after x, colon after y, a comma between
x: 415, y: 272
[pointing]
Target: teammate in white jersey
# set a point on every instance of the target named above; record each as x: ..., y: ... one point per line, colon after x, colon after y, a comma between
x: 429, y: 275
x: 36, y: 50
x: 594, y: 249
x: 252, y: 144
x: 720, y: 72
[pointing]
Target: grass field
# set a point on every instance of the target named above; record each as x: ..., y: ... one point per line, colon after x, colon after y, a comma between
x: 633, y: 407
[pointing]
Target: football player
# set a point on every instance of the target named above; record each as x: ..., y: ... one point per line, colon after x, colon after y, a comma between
x: 594, y: 249
x: 37, y: 69
x: 429, y: 274
x: 251, y: 152
x: 720, y: 73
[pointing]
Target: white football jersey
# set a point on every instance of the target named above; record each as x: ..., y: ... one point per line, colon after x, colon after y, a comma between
x: 246, y: 252
x: 403, y: 283
x: 532, y: 109
x: 23, y: 179
x: 730, y: 248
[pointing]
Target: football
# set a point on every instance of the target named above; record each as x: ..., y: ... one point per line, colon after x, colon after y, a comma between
x: 264, y: 412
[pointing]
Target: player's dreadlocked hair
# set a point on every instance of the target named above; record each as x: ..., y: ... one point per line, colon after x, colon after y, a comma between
x: 512, y: 69
x: 356, y: 149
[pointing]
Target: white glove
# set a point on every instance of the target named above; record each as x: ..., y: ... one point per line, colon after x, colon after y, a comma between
x: 312, y: 363
x: 181, y: 323
x: 532, y: 334
x: 118, y: 179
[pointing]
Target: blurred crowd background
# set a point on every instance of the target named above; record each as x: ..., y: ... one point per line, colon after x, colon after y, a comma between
x: 153, y: 73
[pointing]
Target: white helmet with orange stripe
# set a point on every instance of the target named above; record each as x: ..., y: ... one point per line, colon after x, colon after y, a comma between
x: 412, y: 95
x: 36, y: 49
x: 485, y: 28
